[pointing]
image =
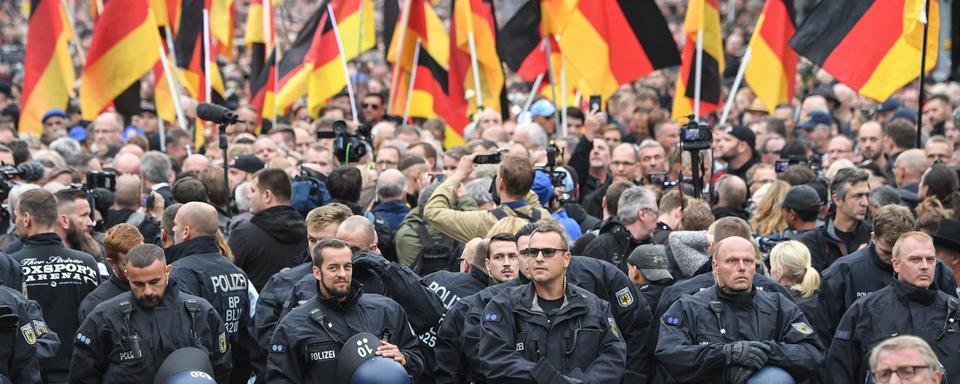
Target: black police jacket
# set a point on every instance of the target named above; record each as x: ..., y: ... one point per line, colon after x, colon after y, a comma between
x: 105, y: 291
x: 854, y: 276
x: 103, y: 354
x: 206, y: 273
x: 396, y: 282
x: 450, y: 287
x: 306, y: 345
x: 270, y: 306
x: 898, y: 309
x: 696, y: 327
x: 825, y: 247
x: 11, y: 274
x: 18, y: 335
x: 272, y: 240
x: 613, y: 244
x: 58, y: 279
x: 522, y: 344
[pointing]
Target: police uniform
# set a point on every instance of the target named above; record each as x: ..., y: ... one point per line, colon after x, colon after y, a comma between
x: 854, y: 276
x: 107, y: 290
x: 306, y: 343
x: 522, y: 343
x: 206, y: 273
x: 450, y: 287
x: 269, y: 307
x: 388, y: 279
x: 898, y: 309
x: 121, y: 342
x: 695, y: 328
x: 18, y: 338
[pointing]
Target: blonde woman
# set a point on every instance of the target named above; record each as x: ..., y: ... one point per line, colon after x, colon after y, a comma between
x: 767, y: 219
x: 790, y: 266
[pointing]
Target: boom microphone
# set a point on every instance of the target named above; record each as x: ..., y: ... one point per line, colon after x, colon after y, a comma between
x: 216, y: 114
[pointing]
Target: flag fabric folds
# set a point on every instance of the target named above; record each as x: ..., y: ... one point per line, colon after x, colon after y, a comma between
x: 872, y: 46
x: 122, y: 50
x: 475, y: 17
x: 702, y: 15
x: 354, y: 19
x: 772, y: 69
x: 259, y: 35
x: 190, y: 55
x: 48, y: 74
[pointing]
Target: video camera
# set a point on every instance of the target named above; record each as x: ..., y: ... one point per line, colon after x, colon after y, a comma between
x: 662, y: 179
x: 782, y: 165
x: 349, y: 147
x: 695, y: 136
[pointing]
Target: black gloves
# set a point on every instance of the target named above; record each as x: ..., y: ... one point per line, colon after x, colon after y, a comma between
x: 370, y: 260
x: 749, y: 354
x: 545, y: 373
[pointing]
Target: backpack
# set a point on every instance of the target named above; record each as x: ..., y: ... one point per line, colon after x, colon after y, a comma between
x: 435, y: 256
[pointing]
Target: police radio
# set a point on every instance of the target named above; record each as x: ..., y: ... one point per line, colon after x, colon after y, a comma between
x: 717, y: 309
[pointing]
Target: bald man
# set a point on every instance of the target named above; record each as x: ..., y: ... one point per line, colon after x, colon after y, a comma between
x: 195, y: 163
x: 127, y: 163
x: 266, y: 149
x: 908, y: 169
x: 127, y: 209
x: 107, y: 130
x: 202, y: 270
x: 392, y: 196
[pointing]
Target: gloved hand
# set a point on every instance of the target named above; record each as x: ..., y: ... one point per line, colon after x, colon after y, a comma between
x: 737, y: 374
x: 545, y: 373
x: 8, y: 319
x: 370, y: 260
x: 750, y: 354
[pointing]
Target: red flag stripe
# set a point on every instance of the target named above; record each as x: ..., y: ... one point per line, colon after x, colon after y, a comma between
x: 882, y: 25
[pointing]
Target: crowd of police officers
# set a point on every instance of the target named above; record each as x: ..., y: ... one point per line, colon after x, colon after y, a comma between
x: 520, y: 309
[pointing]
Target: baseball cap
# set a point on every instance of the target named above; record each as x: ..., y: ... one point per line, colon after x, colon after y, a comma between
x: 52, y: 113
x: 947, y: 233
x: 78, y: 133
x: 744, y: 134
x: 542, y: 108
x: 801, y: 198
x: 888, y: 106
x: 652, y: 261
x: 247, y: 163
x: 816, y: 118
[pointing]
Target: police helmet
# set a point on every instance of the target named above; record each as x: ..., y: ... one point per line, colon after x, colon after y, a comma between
x: 358, y: 363
x: 185, y: 366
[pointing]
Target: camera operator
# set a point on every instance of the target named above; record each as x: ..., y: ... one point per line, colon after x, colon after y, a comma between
x: 737, y: 149
x: 126, y: 209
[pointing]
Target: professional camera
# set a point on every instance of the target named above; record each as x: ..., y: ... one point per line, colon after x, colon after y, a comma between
x: 101, y: 179
x: 695, y: 136
x: 349, y: 147
x: 813, y: 162
x: 662, y: 179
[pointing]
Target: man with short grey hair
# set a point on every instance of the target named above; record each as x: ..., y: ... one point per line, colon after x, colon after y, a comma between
x: 909, y: 357
x: 156, y: 173
x: 392, y: 196
x: 636, y: 221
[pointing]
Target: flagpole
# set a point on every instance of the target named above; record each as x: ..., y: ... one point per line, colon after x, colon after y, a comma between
x: 168, y: 73
x: 533, y: 93
x: 206, y: 64
x: 698, y: 74
x: 343, y: 61
x: 276, y: 81
x: 553, y: 84
x: 413, y: 79
x: 395, y: 78
x: 476, y: 70
x: 736, y: 86
x: 923, y: 64
x: 359, y: 40
x: 563, y: 96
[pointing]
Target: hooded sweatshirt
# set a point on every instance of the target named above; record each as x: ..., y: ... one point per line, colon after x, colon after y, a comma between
x: 273, y: 239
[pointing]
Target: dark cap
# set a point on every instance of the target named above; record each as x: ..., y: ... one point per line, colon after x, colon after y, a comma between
x: 652, y: 261
x: 889, y: 106
x: 801, y: 198
x: 247, y: 163
x: 814, y: 119
x: 146, y: 106
x: 827, y: 92
x: 903, y: 113
x: 743, y: 134
x: 52, y: 113
x: 947, y: 234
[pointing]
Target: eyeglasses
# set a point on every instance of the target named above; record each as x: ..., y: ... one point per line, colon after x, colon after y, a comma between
x: 371, y: 106
x: 548, y: 253
x: 904, y: 373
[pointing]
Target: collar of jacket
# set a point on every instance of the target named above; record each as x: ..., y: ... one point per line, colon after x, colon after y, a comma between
x: 123, y: 285
x: 353, y: 295
x: 195, y: 246
x: 740, y: 300
x: 480, y: 276
x: 924, y: 296
x: 529, y: 301
x: 391, y: 206
x: 515, y: 205
x: 831, y: 230
x: 49, y: 238
x: 872, y: 250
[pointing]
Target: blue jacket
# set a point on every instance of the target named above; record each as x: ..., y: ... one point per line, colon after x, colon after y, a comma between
x: 392, y: 212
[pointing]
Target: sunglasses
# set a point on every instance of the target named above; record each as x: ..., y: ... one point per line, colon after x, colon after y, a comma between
x: 547, y: 252
x: 370, y: 106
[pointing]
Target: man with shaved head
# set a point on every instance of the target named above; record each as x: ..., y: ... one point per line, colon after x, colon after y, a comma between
x: 126, y: 209
x: 705, y: 336
x: 195, y: 163
x: 202, y: 270
x: 908, y: 169
x: 127, y: 163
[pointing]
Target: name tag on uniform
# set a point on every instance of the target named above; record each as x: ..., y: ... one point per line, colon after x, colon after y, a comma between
x: 323, y: 355
x: 519, y: 347
x: 127, y: 355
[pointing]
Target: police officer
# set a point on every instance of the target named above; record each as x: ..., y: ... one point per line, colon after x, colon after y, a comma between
x: 201, y: 270
x: 548, y: 330
x: 18, y: 335
x: 911, y: 305
x: 495, y: 261
x: 867, y: 270
x: 305, y: 344
x: 729, y: 332
x: 126, y: 338
x: 322, y: 222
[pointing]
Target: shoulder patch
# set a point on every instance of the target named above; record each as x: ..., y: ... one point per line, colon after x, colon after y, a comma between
x: 83, y: 339
x: 278, y: 348
x: 670, y: 320
x: 802, y: 327
x: 40, y: 327
x: 222, y: 339
x: 842, y: 335
x: 624, y: 297
x: 28, y: 334
x: 491, y: 317
x: 613, y: 326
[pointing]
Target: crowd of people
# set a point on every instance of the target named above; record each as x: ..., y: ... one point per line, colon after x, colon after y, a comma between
x: 818, y: 243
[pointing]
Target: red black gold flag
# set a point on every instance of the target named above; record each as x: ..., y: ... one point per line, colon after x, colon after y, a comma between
x: 48, y: 74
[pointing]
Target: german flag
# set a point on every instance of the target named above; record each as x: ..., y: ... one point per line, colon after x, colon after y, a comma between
x: 431, y: 92
x: 475, y: 17
x: 259, y: 35
x: 355, y: 24
x: 48, y: 73
x: 621, y: 28
x: 122, y: 50
x: 772, y: 69
x: 702, y: 15
x: 871, y: 46
x: 167, y: 13
x: 263, y: 91
x: 190, y: 56
x: 221, y: 26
